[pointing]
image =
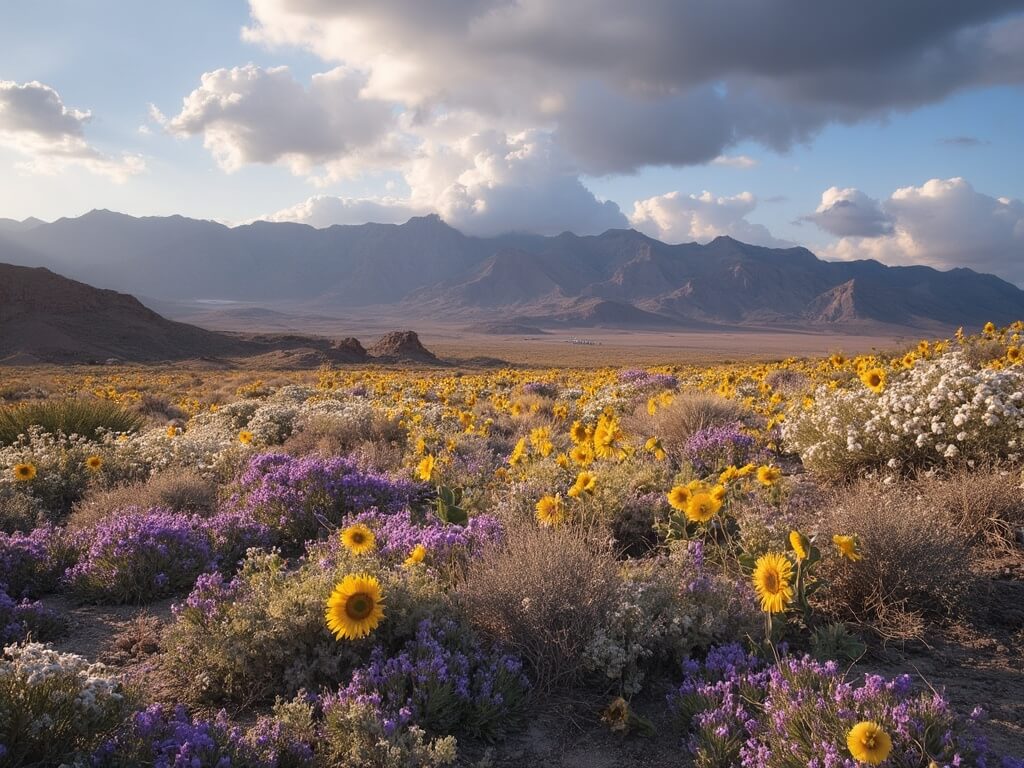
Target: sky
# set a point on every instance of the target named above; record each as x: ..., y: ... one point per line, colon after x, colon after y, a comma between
x: 872, y: 129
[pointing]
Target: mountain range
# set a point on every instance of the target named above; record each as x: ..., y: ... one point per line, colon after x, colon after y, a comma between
x: 426, y: 269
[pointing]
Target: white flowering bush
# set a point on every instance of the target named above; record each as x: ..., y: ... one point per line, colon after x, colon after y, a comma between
x: 54, y: 707
x: 940, y: 410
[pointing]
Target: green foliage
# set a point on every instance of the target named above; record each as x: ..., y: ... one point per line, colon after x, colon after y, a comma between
x: 354, y: 737
x: 88, y: 417
x: 448, y: 506
x: 836, y: 641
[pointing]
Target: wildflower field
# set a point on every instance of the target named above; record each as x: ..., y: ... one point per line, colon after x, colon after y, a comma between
x: 813, y: 562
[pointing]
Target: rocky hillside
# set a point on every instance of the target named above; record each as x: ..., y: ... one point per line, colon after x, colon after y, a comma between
x: 426, y: 269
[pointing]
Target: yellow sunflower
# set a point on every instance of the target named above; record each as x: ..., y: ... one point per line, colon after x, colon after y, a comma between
x: 702, y: 507
x: 874, y: 379
x: 768, y: 476
x: 868, y: 742
x: 24, y: 471
x: 653, y: 445
x: 679, y: 497
x: 585, y: 483
x: 550, y: 510
x: 847, y: 546
x: 799, y: 543
x: 245, y: 437
x: 989, y: 329
x: 94, y: 463
x: 425, y: 469
x: 358, y: 539
x: 355, y: 607
x: 772, y: 574
x: 1013, y: 355
x: 416, y: 556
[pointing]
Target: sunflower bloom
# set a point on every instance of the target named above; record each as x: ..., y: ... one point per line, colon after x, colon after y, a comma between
x: 847, y: 546
x: 874, y: 379
x: 355, y: 607
x: 868, y: 742
x: 425, y: 469
x: 772, y: 575
x: 518, y: 453
x: 416, y: 556
x: 653, y: 445
x: 24, y: 472
x: 702, y: 507
x: 799, y: 543
x: 550, y: 510
x: 585, y: 483
x: 989, y: 329
x: 579, y: 433
x: 768, y: 476
x: 94, y: 463
x: 679, y: 497
x: 245, y: 437
x: 358, y: 539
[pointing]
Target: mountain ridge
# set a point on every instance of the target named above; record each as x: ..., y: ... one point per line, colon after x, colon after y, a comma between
x: 425, y: 268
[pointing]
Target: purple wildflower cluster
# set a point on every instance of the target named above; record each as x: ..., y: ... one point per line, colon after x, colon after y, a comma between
x: 19, y: 619
x: 141, y: 555
x: 743, y: 712
x: 171, y: 738
x: 305, y: 498
x: 31, y: 564
x: 641, y: 379
x: 714, y: 448
x: 442, y: 680
x: 398, y: 533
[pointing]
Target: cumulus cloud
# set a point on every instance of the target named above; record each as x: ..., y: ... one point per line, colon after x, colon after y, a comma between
x: 850, y: 213
x: 254, y: 115
x: 627, y: 85
x: 35, y: 123
x: 946, y: 223
x: 735, y: 161
x: 486, y: 183
x: 678, y: 218
x: 325, y: 211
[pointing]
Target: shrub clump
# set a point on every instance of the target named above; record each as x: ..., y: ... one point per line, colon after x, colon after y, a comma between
x: 86, y: 417
x: 542, y: 593
x: 55, y: 707
x: 914, y: 561
x: 690, y: 412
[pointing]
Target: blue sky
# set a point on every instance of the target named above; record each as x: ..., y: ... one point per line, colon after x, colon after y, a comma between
x: 441, y: 123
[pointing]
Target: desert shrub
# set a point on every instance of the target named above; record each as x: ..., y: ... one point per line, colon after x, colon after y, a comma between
x: 941, y: 411
x: 55, y: 708
x: 690, y: 412
x: 306, y: 498
x: 986, y: 500
x: 354, y: 735
x: 336, y: 434
x: 443, y: 681
x: 180, y: 491
x: 739, y: 711
x: 86, y: 417
x: 31, y: 564
x: 19, y: 511
x: 787, y: 382
x: 542, y: 593
x: 26, y: 618
x: 666, y: 608
x: 914, y: 561
x: 262, y: 634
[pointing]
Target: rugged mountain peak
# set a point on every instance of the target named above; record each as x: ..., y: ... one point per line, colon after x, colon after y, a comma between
x: 402, y: 346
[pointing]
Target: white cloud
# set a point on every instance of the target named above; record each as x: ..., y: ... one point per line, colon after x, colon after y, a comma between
x: 678, y: 218
x: 735, y: 161
x: 254, y: 115
x: 34, y: 122
x: 850, y: 213
x: 946, y: 223
x: 325, y: 211
x: 484, y: 184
